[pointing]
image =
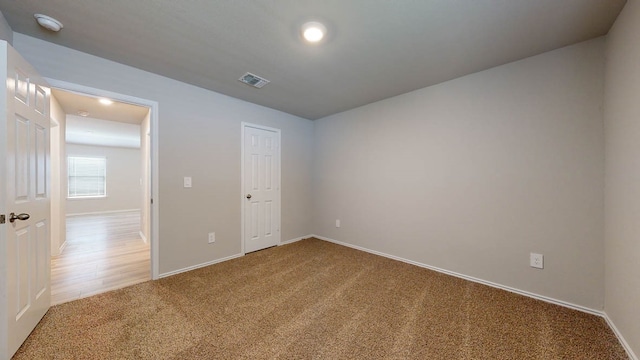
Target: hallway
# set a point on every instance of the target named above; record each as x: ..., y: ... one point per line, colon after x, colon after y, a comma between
x: 103, y: 252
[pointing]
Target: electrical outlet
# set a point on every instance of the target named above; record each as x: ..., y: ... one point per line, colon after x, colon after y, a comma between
x: 536, y: 260
x: 187, y: 182
x: 337, y: 223
x: 212, y: 237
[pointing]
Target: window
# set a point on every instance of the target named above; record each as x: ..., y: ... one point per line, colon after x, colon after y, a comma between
x: 87, y: 177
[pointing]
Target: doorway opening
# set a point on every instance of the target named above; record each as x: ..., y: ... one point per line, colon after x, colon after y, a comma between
x: 102, y: 170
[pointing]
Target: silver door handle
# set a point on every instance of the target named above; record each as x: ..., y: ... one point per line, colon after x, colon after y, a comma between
x: 13, y: 217
x: 248, y: 196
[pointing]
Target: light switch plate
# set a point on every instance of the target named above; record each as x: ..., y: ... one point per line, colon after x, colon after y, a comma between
x: 187, y: 181
x: 536, y: 260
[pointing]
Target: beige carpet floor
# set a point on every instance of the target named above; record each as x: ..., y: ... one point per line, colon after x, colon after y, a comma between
x: 316, y: 300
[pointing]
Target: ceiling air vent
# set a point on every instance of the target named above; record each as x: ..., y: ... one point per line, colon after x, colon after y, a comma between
x: 253, y: 80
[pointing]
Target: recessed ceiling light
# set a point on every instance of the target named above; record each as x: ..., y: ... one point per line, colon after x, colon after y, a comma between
x: 104, y: 101
x: 313, y: 31
x: 48, y: 22
x: 83, y: 113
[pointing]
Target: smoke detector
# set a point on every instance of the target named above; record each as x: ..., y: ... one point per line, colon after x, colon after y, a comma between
x: 48, y: 22
x: 253, y: 80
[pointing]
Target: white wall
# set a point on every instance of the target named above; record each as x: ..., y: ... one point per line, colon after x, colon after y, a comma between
x: 124, y: 191
x: 473, y: 174
x: 622, y: 192
x: 199, y: 136
x: 469, y: 175
x: 58, y: 178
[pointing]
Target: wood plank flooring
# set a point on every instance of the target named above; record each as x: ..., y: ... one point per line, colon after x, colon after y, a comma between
x: 104, y: 252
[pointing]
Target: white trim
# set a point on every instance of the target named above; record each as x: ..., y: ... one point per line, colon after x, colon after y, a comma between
x: 103, y: 212
x: 278, y: 132
x: 189, y: 268
x: 242, y: 202
x: 295, y: 240
x: 86, y: 197
x: 261, y: 127
x: 155, y: 139
x: 470, y: 278
x: 144, y: 238
x: 62, y: 247
x: 587, y: 310
x: 621, y: 338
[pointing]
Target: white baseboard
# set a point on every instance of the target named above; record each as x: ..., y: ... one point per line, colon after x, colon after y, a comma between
x: 622, y: 340
x: 175, y: 272
x: 615, y: 330
x: 64, y: 245
x: 470, y: 278
x: 103, y: 212
x: 294, y: 240
x: 189, y: 268
x: 144, y: 238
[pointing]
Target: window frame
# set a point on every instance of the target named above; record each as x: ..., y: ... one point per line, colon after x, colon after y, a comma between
x: 93, y: 196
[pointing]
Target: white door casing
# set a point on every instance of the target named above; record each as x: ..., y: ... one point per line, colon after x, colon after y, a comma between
x: 153, y: 206
x: 260, y: 187
x: 25, y: 189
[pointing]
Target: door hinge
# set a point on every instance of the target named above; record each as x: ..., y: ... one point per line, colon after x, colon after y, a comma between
x: 151, y: 201
x: 2, y: 219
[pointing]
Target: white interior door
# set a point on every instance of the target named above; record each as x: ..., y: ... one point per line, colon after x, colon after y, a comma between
x: 24, y: 192
x: 261, y: 187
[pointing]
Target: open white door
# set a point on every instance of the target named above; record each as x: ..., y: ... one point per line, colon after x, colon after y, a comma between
x: 261, y: 187
x: 25, y: 292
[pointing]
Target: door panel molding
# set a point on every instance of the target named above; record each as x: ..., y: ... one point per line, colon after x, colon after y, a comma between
x: 24, y: 198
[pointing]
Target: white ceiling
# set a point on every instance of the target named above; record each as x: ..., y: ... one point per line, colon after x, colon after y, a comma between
x: 375, y: 48
x: 97, y: 132
x: 72, y: 103
x: 116, y: 125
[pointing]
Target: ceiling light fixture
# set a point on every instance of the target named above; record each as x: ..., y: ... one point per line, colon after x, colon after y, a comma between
x: 313, y: 31
x: 83, y: 113
x: 104, y: 101
x: 48, y: 22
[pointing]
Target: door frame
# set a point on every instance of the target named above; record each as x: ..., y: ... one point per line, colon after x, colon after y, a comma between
x: 153, y: 176
x: 56, y: 196
x: 243, y: 126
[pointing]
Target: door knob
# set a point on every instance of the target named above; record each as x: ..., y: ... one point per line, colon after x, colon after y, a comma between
x: 248, y: 196
x: 13, y: 217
